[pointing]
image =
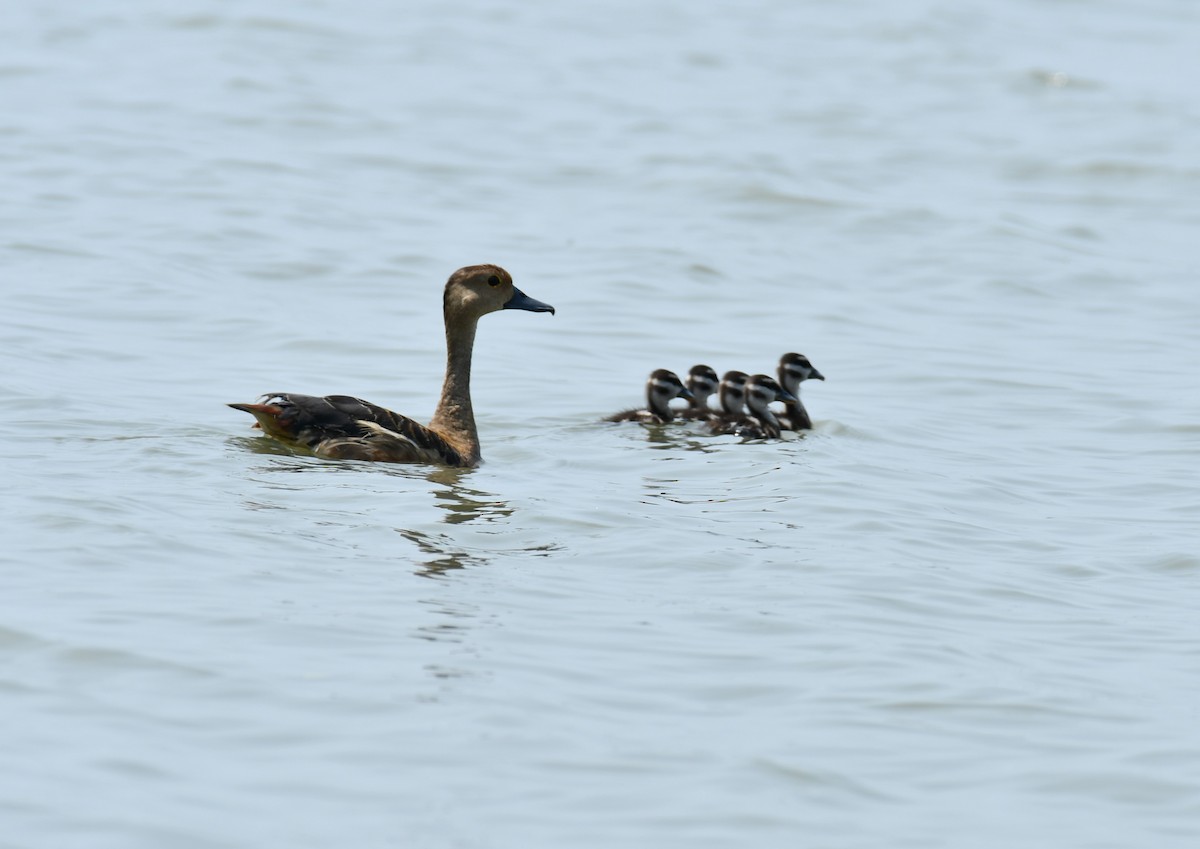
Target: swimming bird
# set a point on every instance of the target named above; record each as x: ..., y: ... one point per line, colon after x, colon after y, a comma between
x: 346, y: 428
x: 662, y: 386
x: 761, y: 423
x: 731, y: 395
x: 701, y: 382
x: 794, y: 369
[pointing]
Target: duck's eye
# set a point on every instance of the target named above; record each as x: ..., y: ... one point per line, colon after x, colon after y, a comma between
x: 493, y: 280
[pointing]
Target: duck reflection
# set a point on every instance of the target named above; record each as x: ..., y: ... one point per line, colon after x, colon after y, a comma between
x: 461, y: 503
x: 443, y: 555
x: 456, y: 501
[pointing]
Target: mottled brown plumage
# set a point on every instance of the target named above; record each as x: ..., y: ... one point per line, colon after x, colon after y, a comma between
x: 342, y: 427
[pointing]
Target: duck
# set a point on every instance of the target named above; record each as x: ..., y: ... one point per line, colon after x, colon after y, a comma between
x: 794, y: 369
x: 760, y: 423
x: 731, y: 397
x: 702, y: 382
x: 341, y: 427
x: 662, y: 386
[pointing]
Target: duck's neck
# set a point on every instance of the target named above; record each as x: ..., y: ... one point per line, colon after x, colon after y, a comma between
x: 764, y: 415
x: 660, y: 406
x: 454, y: 418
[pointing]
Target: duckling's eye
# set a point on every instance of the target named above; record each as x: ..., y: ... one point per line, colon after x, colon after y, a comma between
x: 493, y: 280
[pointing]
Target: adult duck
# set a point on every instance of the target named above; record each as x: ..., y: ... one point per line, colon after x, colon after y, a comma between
x: 345, y: 428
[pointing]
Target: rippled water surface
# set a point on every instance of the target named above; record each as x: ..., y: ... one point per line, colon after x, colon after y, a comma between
x: 960, y: 613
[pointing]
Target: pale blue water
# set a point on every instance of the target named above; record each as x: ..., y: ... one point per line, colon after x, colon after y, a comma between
x: 960, y: 613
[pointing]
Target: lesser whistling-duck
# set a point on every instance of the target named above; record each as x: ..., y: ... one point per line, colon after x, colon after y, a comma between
x: 702, y: 383
x: 794, y: 369
x: 731, y: 397
x: 346, y: 428
x: 761, y: 423
x: 661, y: 387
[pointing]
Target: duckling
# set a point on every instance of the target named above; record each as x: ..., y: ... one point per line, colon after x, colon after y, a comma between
x: 702, y: 383
x: 346, y: 428
x: 662, y: 386
x: 732, y: 398
x: 761, y: 423
x: 794, y: 369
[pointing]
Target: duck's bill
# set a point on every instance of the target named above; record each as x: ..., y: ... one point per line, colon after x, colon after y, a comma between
x: 784, y: 395
x: 816, y: 375
x: 521, y: 301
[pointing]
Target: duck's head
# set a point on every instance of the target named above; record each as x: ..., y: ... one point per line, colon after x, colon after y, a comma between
x: 477, y: 290
x: 761, y: 390
x: 662, y: 386
x: 702, y: 381
x: 794, y: 369
x: 732, y: 392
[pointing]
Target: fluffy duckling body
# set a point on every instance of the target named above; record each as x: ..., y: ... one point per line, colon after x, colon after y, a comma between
x: 342, y: 427
x: 662, y: 386
x: 702, y: 383
x: 794, y: 369
x: 760, y: 423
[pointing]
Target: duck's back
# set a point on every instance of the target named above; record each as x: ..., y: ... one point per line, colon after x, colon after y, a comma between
x: 348, y: 428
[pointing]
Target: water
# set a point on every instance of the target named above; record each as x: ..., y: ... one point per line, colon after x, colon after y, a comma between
x: 961, y: 612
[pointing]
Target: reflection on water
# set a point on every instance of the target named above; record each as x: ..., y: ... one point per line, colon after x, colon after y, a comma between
x: 461, y: 503
x: 679, y: 435
x: 458, y: 503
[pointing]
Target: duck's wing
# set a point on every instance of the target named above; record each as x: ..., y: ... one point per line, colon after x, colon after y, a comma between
x: 347, y: 428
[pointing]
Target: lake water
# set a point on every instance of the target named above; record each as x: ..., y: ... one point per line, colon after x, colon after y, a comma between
x: 962, y: 612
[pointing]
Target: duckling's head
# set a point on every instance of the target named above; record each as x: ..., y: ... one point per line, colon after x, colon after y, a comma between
x: 477, y: 290
x: 794, y: 369
x: 732, y: 392
x: 761, y: 390
x: 664, y: 383
x: 702, y: 381
x: 662, y: 386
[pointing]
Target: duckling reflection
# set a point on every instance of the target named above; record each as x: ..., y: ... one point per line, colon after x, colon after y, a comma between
x: 662, y: 386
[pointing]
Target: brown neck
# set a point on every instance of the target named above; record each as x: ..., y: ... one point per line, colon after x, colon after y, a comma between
x: 454, y: 419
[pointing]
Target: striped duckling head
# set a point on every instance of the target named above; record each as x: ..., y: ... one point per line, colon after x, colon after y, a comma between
x: 794, y: 369
x: 702, y: 382
x: 761, y: 390
x: 662, y: 386
x: 732, y: 392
